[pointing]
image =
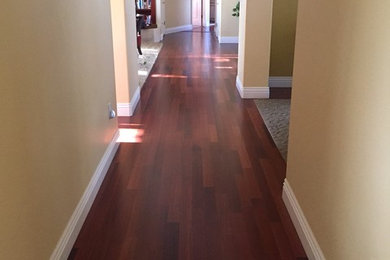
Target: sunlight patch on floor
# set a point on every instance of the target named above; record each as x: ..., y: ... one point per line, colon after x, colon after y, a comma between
x: 221, y: 60
x: 223, y: 67
x: 169, y: 76
x: 130, y: 135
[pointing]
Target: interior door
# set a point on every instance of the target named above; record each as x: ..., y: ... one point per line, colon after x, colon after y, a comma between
x: 197, y: 12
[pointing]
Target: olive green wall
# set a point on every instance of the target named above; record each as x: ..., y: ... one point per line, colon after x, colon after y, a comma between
x: 284, y: 18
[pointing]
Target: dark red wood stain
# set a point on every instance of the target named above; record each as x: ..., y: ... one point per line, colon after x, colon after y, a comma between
x: 206, y: 180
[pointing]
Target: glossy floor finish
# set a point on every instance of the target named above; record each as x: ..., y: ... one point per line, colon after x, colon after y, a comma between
x: 202, y: 179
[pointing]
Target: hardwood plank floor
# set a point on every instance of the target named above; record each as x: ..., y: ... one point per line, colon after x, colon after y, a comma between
x: 280, y: 93
x: 205, y: 179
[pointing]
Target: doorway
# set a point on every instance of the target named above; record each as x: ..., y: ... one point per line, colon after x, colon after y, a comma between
x: 197, y: 13
x: 213, y: 12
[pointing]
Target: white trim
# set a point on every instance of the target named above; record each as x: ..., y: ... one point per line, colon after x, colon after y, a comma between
x: 304, y: 231
x: 251, y: 92
x: 280, y: 82
x: 228, y: 39
x: 187, y: 27
x: 69, y: 236
x: 127, y: 109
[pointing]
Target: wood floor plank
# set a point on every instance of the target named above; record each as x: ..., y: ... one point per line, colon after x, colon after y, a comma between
x: 205, y: 179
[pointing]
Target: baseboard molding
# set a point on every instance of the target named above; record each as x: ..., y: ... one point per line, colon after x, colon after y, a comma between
x: 127, y: 109
x: 304, y: 231
x: 182, y: 28
x: 134, y: 100
x: 251, y: 92
x: 228, y: 39
x: 280, y: 82
x: 69, y: 236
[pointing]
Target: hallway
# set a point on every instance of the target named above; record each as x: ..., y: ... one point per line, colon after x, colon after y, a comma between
x: 203, y: 179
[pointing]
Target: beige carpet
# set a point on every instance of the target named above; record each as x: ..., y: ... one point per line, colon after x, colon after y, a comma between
x: 276, y: 116
x: 150, y: 51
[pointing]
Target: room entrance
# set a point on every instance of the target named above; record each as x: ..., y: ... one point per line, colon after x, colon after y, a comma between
x: 197, y: 13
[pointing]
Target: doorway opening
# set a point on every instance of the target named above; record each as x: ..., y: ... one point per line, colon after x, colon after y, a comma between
x: 213, y: 12
x: 197, y: 13
x: 203, y: 14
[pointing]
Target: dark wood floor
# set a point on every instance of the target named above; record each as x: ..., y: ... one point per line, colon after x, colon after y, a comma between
x: 205, y: 181
x: 280, y: 93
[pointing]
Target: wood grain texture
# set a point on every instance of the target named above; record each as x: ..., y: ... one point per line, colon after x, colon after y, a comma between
x: 284, y: 93
x: 206, y: 180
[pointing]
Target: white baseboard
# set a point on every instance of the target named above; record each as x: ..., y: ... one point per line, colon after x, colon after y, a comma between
x: 228, y: 39
x: 69, y: 236
x: 280, y: 82
x: 251, y: 92
x: 187, y: 27
x: 127, y: 109
x: 304, y: 231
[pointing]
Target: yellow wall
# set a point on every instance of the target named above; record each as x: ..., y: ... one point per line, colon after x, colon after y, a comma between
x: 283, y: 37
x: 254, y: 45
x: 338, y: 163
x: 125, y: 52
x: 177, y: 13
x: 56, y: 78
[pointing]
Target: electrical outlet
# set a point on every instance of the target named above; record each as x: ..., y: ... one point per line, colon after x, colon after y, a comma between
x: 111, y: 112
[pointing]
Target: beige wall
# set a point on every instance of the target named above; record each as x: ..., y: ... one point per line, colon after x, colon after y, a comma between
x: 338, y: 164
x: 229, y: 24
x: 254, y: 45
x: 177, y: 13
x: 125, y: 52
x: 56, y: 78
x: 283, y: 37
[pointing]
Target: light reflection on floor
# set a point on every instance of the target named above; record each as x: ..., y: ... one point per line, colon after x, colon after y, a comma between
x: 130, y: 135
x: 223, y: 67
x: 169, y: 76
x: 221, y: 60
